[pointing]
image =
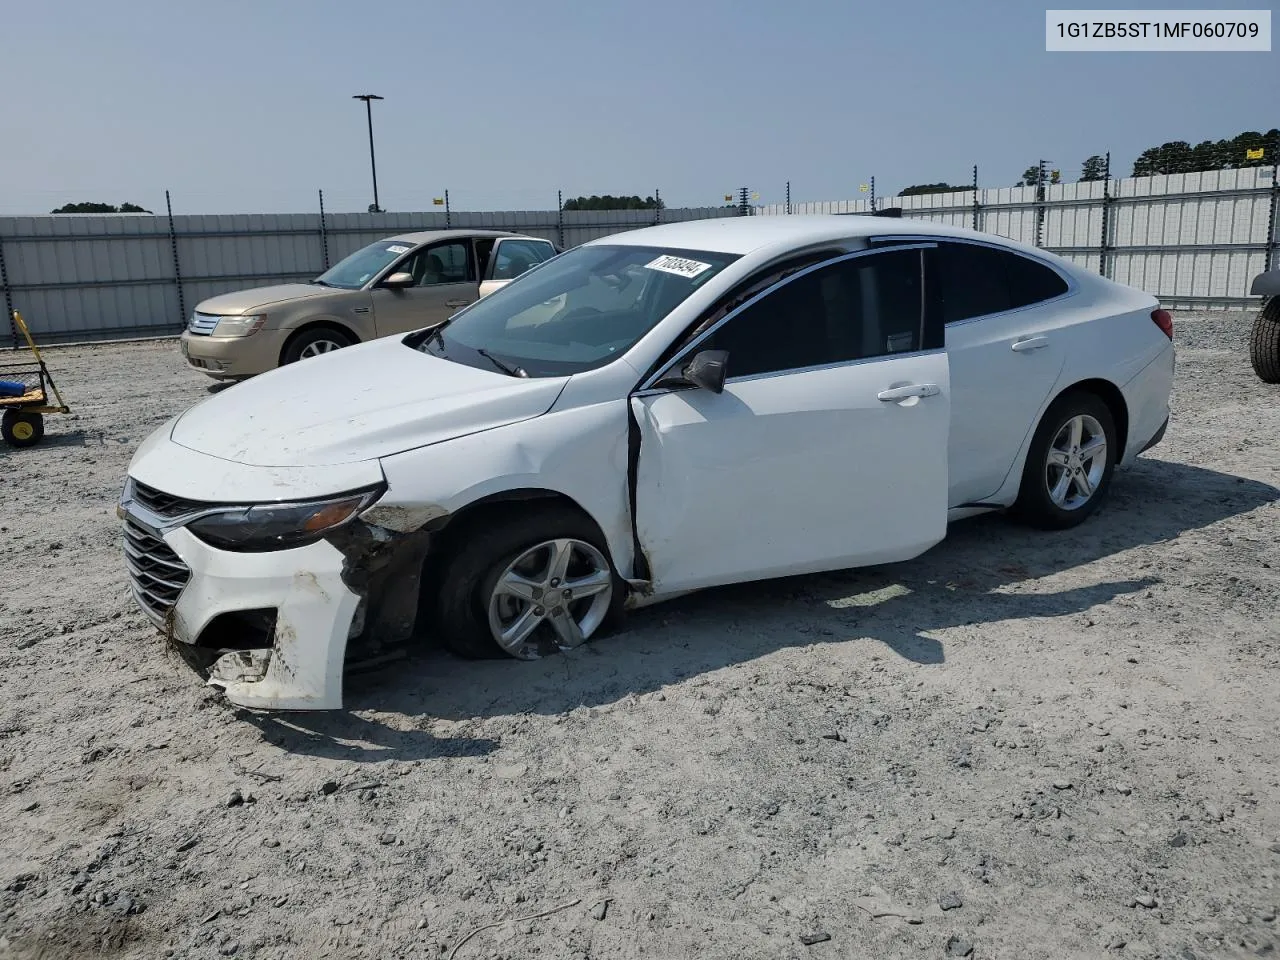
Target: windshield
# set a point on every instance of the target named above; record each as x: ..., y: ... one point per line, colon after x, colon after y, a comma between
x: 576, y: 312
x: 363, y: 265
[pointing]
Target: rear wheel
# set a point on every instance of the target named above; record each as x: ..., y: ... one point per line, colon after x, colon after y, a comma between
x: 22, y: 429
x: 313, y: 342
x: 530, y: 585
x: 1264, y: 343
x: 1069, y: 464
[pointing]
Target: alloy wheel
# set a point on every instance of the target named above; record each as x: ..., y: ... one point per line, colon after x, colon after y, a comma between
x: 556, y: 593
x: 1076, y: 462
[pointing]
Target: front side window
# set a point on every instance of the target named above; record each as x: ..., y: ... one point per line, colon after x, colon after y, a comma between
x: 355, y: 271
x: 441, y: 263
x: 856, y: 309
x: 577, y: 312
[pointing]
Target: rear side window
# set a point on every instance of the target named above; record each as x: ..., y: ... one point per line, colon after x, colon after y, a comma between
x: 974, y: 281
x: 1031, y: 282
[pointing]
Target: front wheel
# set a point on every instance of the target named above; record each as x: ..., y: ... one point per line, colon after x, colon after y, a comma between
x: 314, y: 342
x: 1264, y: 343
x: 1069, y: 463
x: 530, y: 585
x: 22, y: 429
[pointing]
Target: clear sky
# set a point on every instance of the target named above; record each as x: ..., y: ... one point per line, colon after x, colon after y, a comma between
x: 241, y: 106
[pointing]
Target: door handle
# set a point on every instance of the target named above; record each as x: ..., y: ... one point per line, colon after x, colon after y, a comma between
x: 910, y: 390
x: 456, y: 303
x: 1029, y: 344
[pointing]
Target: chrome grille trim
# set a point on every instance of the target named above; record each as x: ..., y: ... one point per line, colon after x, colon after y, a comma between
x: 157, y: 575
x: 203, y: 324
x: 165, y: 504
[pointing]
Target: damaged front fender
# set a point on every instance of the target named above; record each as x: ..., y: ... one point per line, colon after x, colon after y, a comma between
x: 383, y: 564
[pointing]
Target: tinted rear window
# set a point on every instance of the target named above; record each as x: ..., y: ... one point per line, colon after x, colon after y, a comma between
x: 973, y: 281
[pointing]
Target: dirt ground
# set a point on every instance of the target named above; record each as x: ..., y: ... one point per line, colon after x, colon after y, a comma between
x: 1021, y: 745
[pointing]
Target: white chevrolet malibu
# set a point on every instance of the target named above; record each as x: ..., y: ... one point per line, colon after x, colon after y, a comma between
x: 646, y: 415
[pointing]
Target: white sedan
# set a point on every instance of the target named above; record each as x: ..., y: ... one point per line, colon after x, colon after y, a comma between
x: 648, y: 414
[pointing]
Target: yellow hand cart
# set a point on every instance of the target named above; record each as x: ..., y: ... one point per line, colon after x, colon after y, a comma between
x: 24, y: 395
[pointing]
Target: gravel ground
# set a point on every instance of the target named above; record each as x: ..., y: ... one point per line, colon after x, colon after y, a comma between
x: 1019, y: 745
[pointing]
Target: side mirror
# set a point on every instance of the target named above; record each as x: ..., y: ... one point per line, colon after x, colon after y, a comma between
x: 708, y: 370
x: 399, y: 280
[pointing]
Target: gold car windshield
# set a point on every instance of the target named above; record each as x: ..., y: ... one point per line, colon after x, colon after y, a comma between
x: 575, y: 312
x: 362, y: 266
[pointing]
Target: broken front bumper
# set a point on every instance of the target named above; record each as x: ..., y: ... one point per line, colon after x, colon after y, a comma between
x: 192, y: 591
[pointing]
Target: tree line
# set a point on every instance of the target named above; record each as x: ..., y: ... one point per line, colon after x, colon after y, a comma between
x: 1248, y: 149
x: 99, y: 208
x: 610, y: 202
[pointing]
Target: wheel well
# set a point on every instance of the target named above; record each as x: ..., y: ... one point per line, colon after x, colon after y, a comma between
x: 315, y: 325
x: 495, y: 508
x: 1110, y: 394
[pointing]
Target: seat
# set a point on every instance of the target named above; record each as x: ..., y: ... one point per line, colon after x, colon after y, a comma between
x: 434, y: 272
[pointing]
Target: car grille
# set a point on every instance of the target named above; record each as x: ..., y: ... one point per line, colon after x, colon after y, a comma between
x: 157, y: 574
x: 203, y: 323
x: 164, y: 504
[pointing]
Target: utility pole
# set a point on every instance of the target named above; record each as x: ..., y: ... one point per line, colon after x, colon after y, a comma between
x: 368, y: 99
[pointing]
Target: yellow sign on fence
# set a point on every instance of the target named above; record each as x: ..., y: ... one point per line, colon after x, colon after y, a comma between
x: 1253, y: 153
x: 438, y: 201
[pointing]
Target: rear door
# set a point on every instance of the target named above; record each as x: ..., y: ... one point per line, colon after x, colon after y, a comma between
x: 444, y: 276
x: 827, y: 447
x: 1001, y: 314
x: 511, y: 257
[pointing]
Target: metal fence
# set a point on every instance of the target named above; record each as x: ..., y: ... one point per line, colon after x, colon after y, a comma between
x: 1194, y: 240
x: 112, y: 277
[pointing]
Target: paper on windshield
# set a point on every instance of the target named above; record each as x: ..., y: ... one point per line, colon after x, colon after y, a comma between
x: 398, y: 249
x: 679, y: 266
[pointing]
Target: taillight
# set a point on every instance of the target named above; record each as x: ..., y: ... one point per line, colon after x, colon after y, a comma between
x: 1164, y: 320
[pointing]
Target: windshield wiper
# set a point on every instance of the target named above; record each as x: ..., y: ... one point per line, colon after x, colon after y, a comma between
x: 320, y: 283
x: 505, y: 368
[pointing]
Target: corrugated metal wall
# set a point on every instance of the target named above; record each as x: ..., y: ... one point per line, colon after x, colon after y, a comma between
x: 1192, y: 239
x: 103, y: 277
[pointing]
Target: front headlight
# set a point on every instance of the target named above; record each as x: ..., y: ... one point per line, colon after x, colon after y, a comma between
x: 279, y: 526
x: 239, y: 326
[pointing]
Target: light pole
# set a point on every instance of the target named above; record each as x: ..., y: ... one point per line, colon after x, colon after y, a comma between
x: 368, y: 99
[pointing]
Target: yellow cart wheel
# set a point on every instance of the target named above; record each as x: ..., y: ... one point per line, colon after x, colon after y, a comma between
x: 22, y: 429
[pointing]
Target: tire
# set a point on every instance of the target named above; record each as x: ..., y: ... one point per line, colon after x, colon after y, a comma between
x: 314, y: 341
x: 1037, y: 504
x: 469, y: 574
x: 22, y: 429
x: 1264, y: 342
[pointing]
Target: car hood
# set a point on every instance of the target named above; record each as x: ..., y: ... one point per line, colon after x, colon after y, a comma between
x: 360, y: 403
x: 242, y: 301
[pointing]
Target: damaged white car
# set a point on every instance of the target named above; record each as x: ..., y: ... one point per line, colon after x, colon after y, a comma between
x: 645, y: 415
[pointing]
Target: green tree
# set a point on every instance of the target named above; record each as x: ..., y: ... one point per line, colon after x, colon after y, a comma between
x: 916, y: 189
x: 1095, y: 168
x: 1030, y: 177
x: 99, y: 208
x: 1178, y: 156
x: 610, y: 202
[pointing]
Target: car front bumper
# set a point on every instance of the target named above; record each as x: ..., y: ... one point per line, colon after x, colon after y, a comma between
x: 194, y: 592
x: 230, y: 358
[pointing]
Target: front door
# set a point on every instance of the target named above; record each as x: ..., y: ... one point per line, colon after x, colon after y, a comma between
x: 444, y: 282
x: 511, y: 257
x: 827, y: 447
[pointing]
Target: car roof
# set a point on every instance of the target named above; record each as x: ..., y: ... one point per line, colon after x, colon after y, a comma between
x: 744, y: 235
x: 426, y: 236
